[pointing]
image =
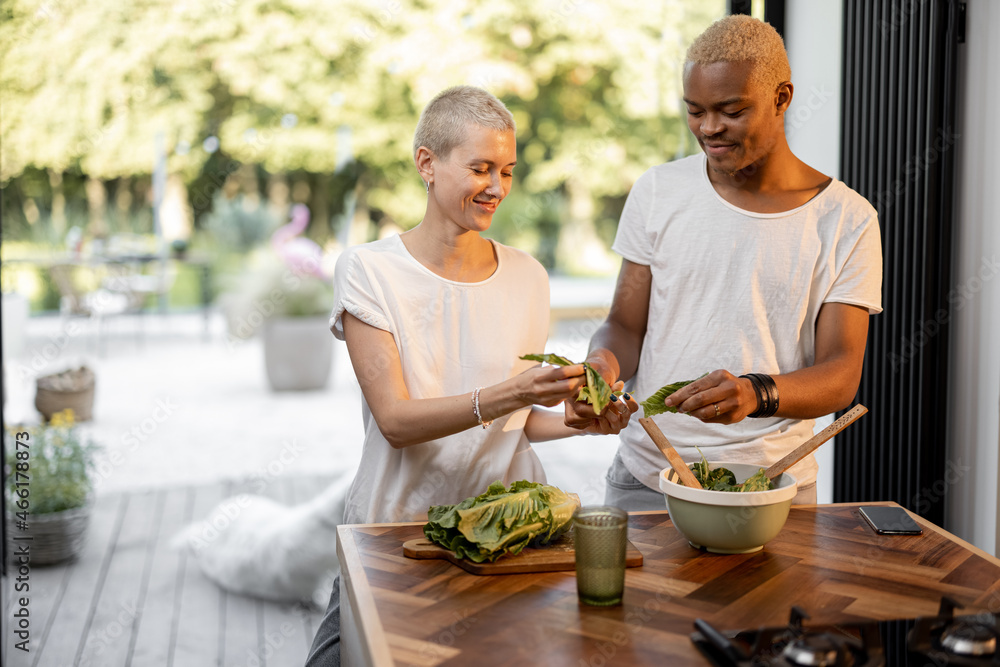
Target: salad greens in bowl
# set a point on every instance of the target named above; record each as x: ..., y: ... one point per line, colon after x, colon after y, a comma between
x: 728, y: 521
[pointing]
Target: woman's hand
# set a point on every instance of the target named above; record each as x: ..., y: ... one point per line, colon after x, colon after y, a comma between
x: 548, y: 385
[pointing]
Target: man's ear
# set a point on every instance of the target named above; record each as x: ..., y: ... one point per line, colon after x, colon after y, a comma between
x: 783, y: 96
x: 424, y: 159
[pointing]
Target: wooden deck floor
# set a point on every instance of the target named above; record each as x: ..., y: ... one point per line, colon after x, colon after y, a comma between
x: 131, y: 600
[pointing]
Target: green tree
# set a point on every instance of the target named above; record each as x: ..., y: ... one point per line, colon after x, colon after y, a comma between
x: 300, y: 87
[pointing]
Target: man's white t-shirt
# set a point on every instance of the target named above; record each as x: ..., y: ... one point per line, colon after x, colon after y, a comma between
x: 741, y: 291
x: 451, y: 338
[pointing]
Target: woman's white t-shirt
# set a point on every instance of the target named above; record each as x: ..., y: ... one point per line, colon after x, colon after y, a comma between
x: 741, y: 291
x: 451, y: 338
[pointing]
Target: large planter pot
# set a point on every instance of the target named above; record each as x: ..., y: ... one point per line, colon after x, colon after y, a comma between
x: 50, y: 538
x: 298, y: 352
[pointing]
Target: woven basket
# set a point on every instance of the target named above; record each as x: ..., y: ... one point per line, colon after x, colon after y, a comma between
x: 55, y: 537
x: 72, y: 389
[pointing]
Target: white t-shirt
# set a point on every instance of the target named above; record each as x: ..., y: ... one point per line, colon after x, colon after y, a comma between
x: 741, y: 291
x: 451, y: 337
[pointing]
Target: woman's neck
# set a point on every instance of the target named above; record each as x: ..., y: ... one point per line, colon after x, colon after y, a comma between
x: 463, y: 257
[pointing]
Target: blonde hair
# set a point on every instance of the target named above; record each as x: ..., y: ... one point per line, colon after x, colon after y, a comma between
x: 443, y: 121
x: 742, y: 38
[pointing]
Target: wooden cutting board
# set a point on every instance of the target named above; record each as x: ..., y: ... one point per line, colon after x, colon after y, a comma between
x: 554, y: 557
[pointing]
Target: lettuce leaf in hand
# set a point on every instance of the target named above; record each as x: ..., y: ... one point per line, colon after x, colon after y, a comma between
x: 501, y: 520
x: 654, y: 404
x: 553, y: 359
x: 596, y: 391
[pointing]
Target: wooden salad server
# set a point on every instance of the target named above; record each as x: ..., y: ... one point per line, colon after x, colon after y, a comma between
x: 660, y: 440
x: 814, y: 442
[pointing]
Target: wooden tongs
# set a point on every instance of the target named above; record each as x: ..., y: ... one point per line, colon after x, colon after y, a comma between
x: 660, y: 440
x: 810, y: 445
x: 786, y: 462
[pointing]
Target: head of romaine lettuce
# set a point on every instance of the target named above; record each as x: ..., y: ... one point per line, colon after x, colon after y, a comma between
x: 501, y: 521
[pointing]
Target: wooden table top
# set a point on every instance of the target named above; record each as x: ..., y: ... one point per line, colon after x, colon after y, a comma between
x: 826, y: 559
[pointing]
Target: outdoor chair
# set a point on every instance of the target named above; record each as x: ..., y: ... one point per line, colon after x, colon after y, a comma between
x: 130, y: 279
x: 95, y: 304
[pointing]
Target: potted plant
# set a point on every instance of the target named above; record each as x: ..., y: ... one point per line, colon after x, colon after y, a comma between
x: 49, y: 488
x: 71, y: 389
x: 287, y: 296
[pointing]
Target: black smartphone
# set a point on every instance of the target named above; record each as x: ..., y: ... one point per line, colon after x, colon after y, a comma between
x: 890, y: 520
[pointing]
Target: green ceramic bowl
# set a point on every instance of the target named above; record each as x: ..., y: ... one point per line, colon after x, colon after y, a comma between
x: 727, y: 522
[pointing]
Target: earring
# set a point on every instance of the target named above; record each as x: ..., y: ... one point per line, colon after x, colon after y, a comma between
x: 427, y: 186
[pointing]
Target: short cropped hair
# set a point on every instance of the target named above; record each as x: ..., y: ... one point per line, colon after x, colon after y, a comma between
x: 742, y: 38
x: 443, y: 121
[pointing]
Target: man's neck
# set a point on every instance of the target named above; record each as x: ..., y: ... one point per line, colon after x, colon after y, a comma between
x: 776, y: 183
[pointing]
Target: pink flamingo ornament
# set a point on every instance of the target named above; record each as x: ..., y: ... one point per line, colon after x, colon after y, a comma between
x: 302, y: 255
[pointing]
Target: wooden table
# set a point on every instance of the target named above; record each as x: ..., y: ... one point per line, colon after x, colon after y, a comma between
x: 399, y: 611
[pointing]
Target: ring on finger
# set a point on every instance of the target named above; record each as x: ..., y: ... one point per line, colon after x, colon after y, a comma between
x: 717, y: 411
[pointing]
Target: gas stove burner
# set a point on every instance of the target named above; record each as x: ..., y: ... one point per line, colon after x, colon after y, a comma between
x: 969, y: 637
x: 794, y: 645
x: 963, y: 640
x: 944, y: 640
x: 822, y: 650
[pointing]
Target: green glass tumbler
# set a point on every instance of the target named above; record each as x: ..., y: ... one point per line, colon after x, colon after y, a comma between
x: 599, y: 536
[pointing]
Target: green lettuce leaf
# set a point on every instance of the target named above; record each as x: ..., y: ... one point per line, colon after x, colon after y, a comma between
x: 596, y: 391
x: 501, y: 521
x: 554, y: 359
x: 757, y: 482
x: 723, y: 479
x: 654, y: 404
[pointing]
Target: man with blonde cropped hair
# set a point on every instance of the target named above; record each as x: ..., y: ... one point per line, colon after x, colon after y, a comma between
x: 742, y: 267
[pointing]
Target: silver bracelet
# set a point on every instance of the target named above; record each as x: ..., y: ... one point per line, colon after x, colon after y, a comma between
x: 475, y: 408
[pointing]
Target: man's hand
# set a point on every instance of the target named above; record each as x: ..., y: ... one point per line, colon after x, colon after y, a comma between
x: 718, y: 398
x: 616, y: 415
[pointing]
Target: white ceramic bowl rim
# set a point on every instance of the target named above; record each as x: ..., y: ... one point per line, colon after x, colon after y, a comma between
x: 786, y: 486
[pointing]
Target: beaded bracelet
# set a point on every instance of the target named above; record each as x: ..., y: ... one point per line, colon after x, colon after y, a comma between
x: 475, y: 408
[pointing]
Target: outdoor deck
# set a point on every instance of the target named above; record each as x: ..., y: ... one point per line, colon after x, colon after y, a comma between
x: 130, y: 599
